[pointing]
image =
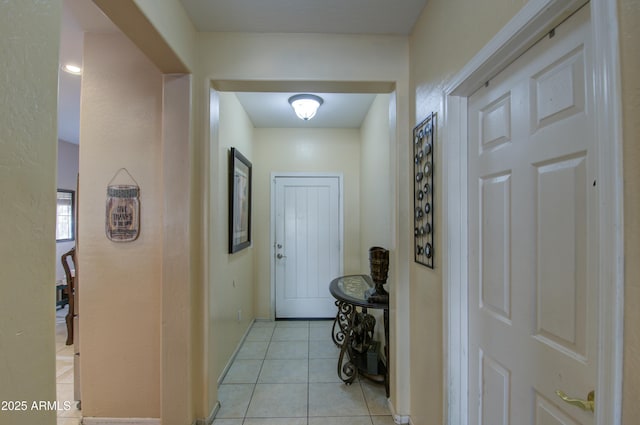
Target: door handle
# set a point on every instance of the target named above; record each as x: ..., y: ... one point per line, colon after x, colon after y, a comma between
x: 280, y: 256
x: 588, y: 404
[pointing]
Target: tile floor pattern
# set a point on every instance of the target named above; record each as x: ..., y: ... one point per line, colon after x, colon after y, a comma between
x: 64, y: 372
x: 285, y: 373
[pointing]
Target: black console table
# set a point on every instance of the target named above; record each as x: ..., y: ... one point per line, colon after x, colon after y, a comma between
x: 353, y: 329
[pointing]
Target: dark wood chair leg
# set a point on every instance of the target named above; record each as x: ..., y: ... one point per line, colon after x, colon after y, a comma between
x: 69, y: 320
x: 71, y: 291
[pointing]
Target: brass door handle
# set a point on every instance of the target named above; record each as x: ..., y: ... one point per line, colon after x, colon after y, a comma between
x: 588, y: 404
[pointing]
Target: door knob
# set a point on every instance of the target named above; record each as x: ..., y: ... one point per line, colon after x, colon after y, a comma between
x: 280, y: 256
x: 588, y: 404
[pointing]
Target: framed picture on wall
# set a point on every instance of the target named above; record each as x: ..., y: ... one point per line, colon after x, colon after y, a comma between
x: 239, y: 201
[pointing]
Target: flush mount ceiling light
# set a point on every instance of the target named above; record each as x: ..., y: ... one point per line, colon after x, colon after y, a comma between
x: 72, y: 69
x: 305, y: 105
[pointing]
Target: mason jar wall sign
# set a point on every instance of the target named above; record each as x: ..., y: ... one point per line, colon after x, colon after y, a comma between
x: 122, y: 221
x: 423, y: 161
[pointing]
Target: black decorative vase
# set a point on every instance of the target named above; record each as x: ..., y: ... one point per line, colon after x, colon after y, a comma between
x: 379, y: 266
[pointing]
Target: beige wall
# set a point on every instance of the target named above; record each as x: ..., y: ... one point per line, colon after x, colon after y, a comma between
x: 231, y: 281
x: 377, y: 192
x: 29, y: 40
x: 172, y: 22
x: 466, y: 27
x: 120, y: 283
x: 181, y: 373
x: 67, y: 179
x: 163, y: 31
x: 306, y: 57
x: 629, y: 12
x: 160, y: 29
x: 377, y: 188
x: 303, y: 150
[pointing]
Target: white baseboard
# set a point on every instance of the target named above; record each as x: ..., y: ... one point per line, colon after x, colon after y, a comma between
x: 146, y: 421
x: 402, y: 419
x: 399, y: 419
x: 210, y: 418
x: 120, y: 421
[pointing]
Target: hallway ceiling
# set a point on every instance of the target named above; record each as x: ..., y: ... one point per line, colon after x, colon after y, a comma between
x: 308, y: 16
x: 340, y: 110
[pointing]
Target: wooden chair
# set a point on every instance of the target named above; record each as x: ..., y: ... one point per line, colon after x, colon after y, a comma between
x: 71, y: 290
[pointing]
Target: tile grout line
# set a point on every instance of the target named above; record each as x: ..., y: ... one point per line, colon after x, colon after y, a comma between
x: 245, y: 419
x: 255, y: 385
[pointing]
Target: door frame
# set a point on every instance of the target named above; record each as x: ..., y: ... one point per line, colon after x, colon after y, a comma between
x: 533, y: 22
x: 272, y: 224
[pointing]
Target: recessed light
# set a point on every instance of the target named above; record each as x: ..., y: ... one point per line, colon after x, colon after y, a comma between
x: 72, y: 69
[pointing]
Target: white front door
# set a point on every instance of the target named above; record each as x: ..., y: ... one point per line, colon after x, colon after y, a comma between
x: 307, y: 245
x: 533, y: 229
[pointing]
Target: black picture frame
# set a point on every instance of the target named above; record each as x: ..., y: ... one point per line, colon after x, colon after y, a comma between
x: 239, y: 201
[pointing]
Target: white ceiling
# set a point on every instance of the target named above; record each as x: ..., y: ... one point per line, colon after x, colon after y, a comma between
x: 264, y: 109
x: 308, y: 16
x: 339, y: 110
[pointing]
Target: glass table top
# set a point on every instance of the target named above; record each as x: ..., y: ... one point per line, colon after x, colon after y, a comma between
x: 354, y: 289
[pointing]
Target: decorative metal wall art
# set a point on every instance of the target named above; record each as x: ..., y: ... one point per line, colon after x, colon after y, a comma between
x: 423, y: 162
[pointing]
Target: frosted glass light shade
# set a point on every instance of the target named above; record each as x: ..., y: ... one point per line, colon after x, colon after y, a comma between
x: 305, y: 105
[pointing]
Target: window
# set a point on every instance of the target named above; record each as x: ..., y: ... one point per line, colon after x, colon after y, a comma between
x: 65, y: 215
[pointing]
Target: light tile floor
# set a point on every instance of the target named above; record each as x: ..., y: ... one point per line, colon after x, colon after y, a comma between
x: 285, y: 373
x: 64, y: 373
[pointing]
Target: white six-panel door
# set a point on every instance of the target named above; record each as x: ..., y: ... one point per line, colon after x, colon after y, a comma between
x: 533, y: 220
x: 307, y: 245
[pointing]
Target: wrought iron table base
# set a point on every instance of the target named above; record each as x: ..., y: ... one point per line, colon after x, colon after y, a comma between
x: 353, y: 333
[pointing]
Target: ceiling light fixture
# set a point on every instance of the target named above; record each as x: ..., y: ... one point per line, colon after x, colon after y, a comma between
x: 305, y: 105
x: 72, y: 69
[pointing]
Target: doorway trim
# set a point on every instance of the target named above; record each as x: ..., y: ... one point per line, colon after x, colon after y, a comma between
x: 272, y: 225
x: 533, y: 22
